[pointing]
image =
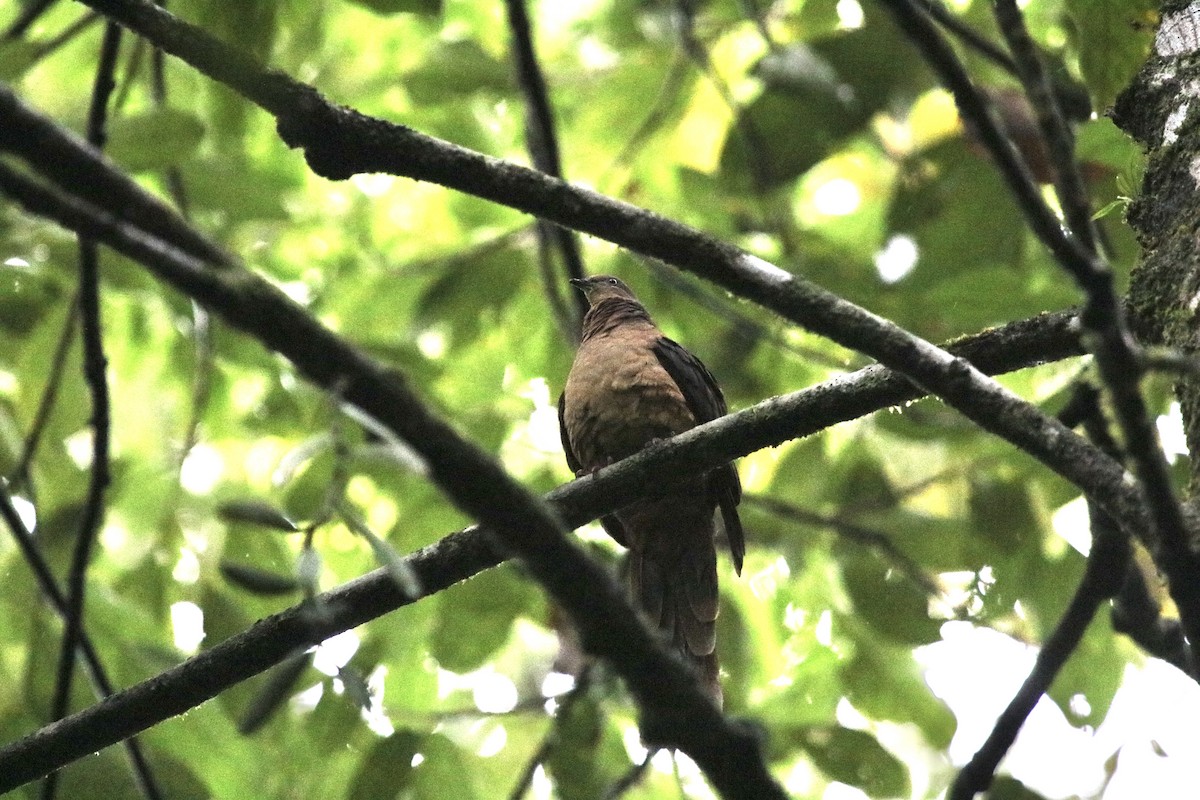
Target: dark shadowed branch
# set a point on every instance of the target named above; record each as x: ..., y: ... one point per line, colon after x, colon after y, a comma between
x: 541, y: 140
x: 1106, y: 332
x: 459, y: 555
x: 1107, y: 565
x: 29, y: 15
x: 674, y: 711
x: 1057, y: 135
x: 969, y: 36
x: 562, y: 713
x: 98, y: 676
x: 1101, y: 581
x: 94, y: 370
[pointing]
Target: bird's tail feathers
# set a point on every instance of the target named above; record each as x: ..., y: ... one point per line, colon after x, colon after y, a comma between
x: 682, y: 601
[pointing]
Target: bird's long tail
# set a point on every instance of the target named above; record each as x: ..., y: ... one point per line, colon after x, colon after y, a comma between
x: 680, y: 597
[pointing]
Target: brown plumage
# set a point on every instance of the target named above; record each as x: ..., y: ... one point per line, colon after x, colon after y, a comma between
x: 630, y: 385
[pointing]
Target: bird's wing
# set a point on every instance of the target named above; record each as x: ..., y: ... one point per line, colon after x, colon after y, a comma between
x: 609, y: 522
x: 705, y: 401
x: 699, y: 387
x: 572, y: 461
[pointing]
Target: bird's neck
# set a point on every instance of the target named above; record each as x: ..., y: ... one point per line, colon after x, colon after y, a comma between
x: 611, y: 313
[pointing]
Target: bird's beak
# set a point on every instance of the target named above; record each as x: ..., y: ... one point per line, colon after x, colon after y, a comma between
x: 579, y: 283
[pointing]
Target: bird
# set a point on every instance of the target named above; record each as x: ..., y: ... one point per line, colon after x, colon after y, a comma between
x: 628, y: 387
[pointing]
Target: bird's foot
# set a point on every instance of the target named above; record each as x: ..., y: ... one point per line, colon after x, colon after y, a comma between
x: 581, y: 473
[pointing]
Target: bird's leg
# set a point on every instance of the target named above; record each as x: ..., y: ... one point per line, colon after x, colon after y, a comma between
x: 607, y: 461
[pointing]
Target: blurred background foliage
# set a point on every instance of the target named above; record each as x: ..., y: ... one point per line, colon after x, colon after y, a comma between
x: 807, y: 131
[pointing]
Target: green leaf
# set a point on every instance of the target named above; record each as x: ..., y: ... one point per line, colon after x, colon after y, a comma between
x: 444, y: 772
x: 1006, y: 787
x: 885, y: 683
x: 1003, y: 513
x: 1114, y: 40
x: 453, y: 69
x: 1085, y: 687
x: 887, y: 600
x: 256, y: 512
x: 27, y: 295
x: 784, y: 132
x: 945, y: 192
x: 468, y: 292
x: 274, y: 692
x: 154, y: 139
x: 308, y: 495
x: 257, y: 580
x: 401, y: 6
x: 16, y: 57
x: 402, y: 574
x: 475, y: 617
x: 387, y: 769
x: 876, y: 63
x: 573, y: 759
x: 856, y: 758
x: 244, y: 191
x: 1100, y: 141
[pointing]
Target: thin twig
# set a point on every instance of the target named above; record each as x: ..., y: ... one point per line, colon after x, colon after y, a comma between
x: 1056, y: 134
x: 1103, y: 319
x: 743, y: 325
x: 102, y: 685
x: 66, y: 36
x: 631, y: 778
x: 550, y: 740
x: 94, y: 365
x: 21, y: 473
x: 29, y: 15
x: 656, y: 116
x: 755, y: 14
x: 854, y: 532
x: 969, y: 36
x: 542, y: 143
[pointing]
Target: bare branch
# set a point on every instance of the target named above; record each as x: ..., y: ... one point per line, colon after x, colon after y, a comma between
x: 94, y: 370
x: 542, y: 143
x: 1106, y: 331
x: 340, y: 142
x: 675, y: 712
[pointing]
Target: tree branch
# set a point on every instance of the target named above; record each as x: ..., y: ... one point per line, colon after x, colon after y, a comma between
x: 1108, y: 564
x: 91, y: 659
x: 81, y: 169
x: 674, y: 711
x: 1103, y: 320
x: 94, y: 370
x: 1059, y: 141
x: 287, y: 327
x: 1101, y: 581
x: 340, y: 142
x: 542, y: 143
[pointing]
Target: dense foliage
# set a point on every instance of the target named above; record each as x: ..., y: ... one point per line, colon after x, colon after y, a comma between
x: 809, y: 132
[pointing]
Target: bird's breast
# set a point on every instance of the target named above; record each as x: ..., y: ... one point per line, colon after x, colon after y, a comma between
x: 618, y: 398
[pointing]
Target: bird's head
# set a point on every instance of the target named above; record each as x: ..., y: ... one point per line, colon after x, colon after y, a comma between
x: 602, y: 287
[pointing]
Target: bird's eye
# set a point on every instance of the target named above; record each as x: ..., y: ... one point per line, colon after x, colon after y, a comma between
x: 612, y: 281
